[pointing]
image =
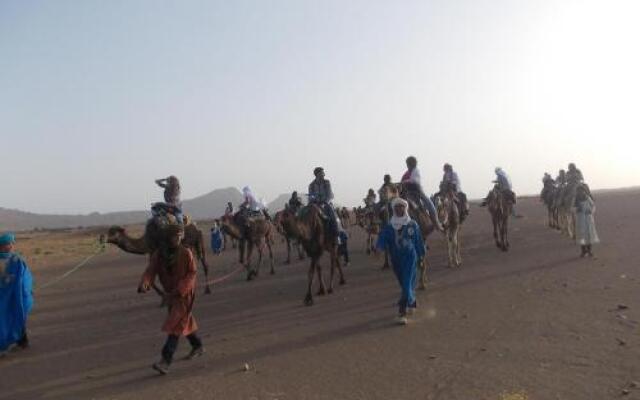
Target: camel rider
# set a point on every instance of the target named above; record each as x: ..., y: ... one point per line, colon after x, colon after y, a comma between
x: 503, y: 183
x: 561, y: 180
x: 412, y: 181
x: 320, y: 193
x: 450, y: 180
x: 229, y: 210
x: 387, y: 192
x: 386, y: 188
x: 574, y: 175
x: 370, y: 200
x: 295, y: 203
x: 251, y: 206
x: 171, y: 187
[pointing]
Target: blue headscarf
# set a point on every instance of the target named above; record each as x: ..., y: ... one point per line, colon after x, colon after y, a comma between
x: 7, y: 238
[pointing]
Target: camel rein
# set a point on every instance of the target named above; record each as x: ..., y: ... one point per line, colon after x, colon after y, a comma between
x: 99, y: 250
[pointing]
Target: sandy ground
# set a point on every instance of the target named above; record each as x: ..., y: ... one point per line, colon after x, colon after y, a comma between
x: 535, y: 323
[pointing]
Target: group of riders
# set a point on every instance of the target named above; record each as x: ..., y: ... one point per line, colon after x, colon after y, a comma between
x: 410, y: 187
x: 571, y: 206
x: 321, y: 194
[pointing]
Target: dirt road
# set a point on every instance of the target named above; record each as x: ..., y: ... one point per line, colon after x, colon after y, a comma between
x: 537, y: 321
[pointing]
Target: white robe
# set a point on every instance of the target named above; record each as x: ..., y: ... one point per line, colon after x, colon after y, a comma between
x: 586, y: 233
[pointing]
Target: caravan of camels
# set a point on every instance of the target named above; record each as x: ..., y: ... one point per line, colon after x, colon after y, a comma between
x: 397, y: 221
x: 316, y: 228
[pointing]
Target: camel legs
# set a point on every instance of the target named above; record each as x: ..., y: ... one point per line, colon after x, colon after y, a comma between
x: 454, y: 248
x: 503, y: 242
x: 495, y: 231
x: 308, y: 299
x: 250, y: 272
x: 273, y: 271
x: 322, y: 290
x: 571, y: 225
x: 335, y: 263
x: 422, y: 264
x: 241, y: 249
x: 288, y: 250
x: 300, y: 250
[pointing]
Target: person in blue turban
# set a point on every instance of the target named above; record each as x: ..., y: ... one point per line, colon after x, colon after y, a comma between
x: 16, y: 295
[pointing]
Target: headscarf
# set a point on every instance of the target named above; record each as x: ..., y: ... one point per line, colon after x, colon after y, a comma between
x: 399, y: 222
x: 7, y: 238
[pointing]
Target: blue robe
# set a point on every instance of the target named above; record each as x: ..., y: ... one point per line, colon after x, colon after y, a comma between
x: 405, y: 248
x: 16, y: 299
x: 216, y: 241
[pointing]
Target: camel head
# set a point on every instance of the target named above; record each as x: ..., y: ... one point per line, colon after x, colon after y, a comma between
x: 115, y: 234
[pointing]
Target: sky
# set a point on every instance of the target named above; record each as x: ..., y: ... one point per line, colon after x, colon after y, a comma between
x: 98, y: 99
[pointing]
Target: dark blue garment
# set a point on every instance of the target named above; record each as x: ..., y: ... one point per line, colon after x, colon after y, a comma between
x: 216, y: 241
x: 16, y: 299
x: 405, y: 248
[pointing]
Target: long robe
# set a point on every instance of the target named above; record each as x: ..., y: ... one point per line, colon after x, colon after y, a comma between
x: 586, y: 233
x: 406, y: 248
x: 217, y: 241
x: 179, y: 282
x: 16, y: 298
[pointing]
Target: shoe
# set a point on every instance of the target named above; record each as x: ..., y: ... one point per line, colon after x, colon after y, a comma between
x: 162, y: 367
x: 401, y: 319
x: 195, y: 353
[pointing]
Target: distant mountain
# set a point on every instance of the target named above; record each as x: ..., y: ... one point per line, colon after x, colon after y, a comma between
x: 210, y: 205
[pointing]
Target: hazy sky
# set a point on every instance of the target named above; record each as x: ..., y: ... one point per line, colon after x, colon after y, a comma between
x: 99, y: 98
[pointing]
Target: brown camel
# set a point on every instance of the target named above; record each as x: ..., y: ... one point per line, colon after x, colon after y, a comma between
x: 193, y: 239
x: 345, y: 216
x: 371, y: 225
x: 277, y: 220
x: 310, y: 229
x: 258, y: 233
x: 548, y: 196
x: 449, y: 214
x: 500, y: 208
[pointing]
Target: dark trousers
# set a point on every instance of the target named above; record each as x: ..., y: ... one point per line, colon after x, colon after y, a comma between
x: 171, y: 345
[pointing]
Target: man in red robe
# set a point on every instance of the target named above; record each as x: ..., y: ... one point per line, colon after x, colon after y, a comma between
x: 175, y: 267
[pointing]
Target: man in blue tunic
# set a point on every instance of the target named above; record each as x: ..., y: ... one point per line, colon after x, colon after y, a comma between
x: 217, y: 240
x: 16, y: 297
x: 401, y: 237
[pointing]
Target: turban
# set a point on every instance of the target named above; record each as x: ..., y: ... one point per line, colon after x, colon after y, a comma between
x: 7, y: 238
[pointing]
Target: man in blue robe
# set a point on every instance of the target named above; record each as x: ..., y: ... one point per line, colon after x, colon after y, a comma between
x: 217, y: 240
x: 402, y: 238
x: 16, y: 297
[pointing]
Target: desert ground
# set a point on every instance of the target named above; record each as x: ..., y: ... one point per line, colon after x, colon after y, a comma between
x: 537, y: 322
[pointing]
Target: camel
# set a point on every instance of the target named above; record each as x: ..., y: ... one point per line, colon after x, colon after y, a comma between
x: 500, y: 209
x: 371, y: 225
x: 309, y: 228
x: 449, y: 214
x: 547, y: 196
x: 345, y: 216
x: 193, y: 240
x: 565, y: 203
x: 259, y: 233
x: 277, y: 219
